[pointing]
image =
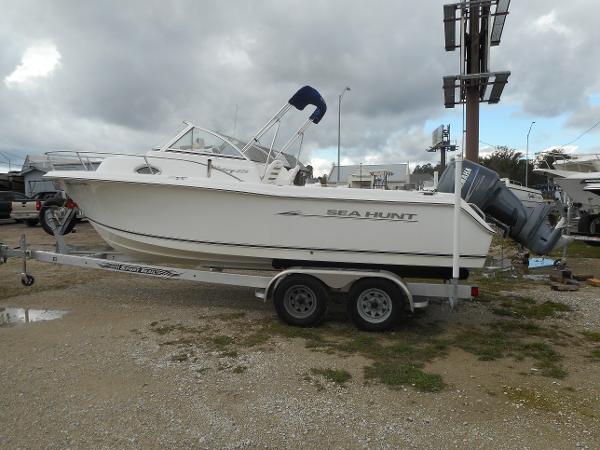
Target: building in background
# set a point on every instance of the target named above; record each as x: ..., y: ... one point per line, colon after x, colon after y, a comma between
x: 12, y: 181
x: 369, y: 176
x: 36, y: 166
x: 33, y: 170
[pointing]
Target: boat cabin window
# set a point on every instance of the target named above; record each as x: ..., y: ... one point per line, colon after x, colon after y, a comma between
x: 198, y: 140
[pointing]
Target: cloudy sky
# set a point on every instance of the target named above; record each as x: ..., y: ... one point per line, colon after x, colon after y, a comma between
x: 122, y: 75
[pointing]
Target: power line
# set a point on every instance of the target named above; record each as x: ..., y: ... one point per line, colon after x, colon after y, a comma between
x: 559, y: 147
x: 580, y: 136
x: 12, y: 155
x: 487, y: 143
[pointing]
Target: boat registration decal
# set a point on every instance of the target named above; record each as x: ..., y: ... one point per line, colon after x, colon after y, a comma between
x: 134, y: 268
x: 363, y: 215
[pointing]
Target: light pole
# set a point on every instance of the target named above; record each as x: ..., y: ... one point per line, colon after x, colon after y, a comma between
x: 339, y: 129
x: 527, y: 154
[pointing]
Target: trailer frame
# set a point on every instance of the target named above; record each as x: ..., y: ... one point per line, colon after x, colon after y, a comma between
x: 416, y: 294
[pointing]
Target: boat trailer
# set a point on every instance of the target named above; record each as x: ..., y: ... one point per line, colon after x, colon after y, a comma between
x: 299, y: 293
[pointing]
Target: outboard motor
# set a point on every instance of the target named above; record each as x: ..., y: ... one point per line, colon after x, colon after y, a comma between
x: 483, y: 188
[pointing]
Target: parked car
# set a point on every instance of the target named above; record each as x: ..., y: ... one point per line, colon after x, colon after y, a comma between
x: 19, y: 203
x: 26, y: 209
x: 6, y: 199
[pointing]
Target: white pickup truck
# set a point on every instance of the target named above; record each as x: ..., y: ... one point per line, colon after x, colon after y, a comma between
x: 19, y: 207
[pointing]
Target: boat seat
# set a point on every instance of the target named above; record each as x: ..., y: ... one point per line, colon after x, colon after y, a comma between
x: 292, y: 174
x: 272, y: 173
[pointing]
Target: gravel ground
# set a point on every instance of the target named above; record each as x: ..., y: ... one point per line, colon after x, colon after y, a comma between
x: 104, y: 377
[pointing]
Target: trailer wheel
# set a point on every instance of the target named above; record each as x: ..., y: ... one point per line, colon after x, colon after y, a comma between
x: 300, y: 300
x: 27, y: 280
x: 51, y: 216
x: 590, y: 224
x: 375, y: 304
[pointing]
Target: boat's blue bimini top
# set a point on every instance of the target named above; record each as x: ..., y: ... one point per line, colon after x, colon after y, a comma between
x: 309, y: 96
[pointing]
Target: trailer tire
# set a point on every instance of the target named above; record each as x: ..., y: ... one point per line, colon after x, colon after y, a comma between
x: 27, y: 280
x: 590, y: 224
x: 300, y: 300
x: 50, y: 213
x: 375, y: 304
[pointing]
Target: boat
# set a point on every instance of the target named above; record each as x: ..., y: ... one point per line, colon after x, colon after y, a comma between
x: 207, y: 199
x: 576, y: 175
x: 589, y: 162
x: 529, y: 197
x: 593, y: 186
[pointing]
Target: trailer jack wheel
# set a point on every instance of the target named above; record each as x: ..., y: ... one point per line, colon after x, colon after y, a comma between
x: 27, y: 280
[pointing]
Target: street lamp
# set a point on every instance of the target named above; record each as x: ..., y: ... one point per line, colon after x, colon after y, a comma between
x: 339, y: 128
x: 527, y: 154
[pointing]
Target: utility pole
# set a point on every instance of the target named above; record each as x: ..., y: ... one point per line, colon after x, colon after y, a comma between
x: 470, y: 86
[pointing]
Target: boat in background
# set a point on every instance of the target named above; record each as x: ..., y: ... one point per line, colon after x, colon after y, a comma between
x: 576, y: 175
x: 593, y: 185
x: 529, y: 197
x: 589, y: 162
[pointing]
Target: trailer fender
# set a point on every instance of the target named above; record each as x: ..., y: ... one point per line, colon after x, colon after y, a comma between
x: 340, y: 280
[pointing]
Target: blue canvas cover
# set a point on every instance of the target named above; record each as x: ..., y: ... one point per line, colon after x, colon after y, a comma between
x: 308, y: 95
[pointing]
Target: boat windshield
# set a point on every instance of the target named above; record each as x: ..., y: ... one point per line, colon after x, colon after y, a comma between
x: 203, y: 141
x: 259, y: 153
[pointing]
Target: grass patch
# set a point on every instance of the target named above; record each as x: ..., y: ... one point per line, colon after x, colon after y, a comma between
x: 270, y: 329
x: 490, y: 288
x: 528, y: 308
x: 504, y: 339
x: 595, y: 354
x: 333, y: 375
x: 239, y: 369
x: 166, y: 329
x: 230, y: 354
x: 578, y: 250
x: 525, y: 328
x: 361, y: 343
x: 221, y: 341
x: 401, y: 374
x: 256, y: 338
x: 531, y: 399
x: 593, y: 336
x: 404, y: 352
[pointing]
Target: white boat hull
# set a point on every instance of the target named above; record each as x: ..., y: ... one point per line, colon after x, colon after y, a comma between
x: 574, y: 188
x: 212, y: 226
x: 530, y: 198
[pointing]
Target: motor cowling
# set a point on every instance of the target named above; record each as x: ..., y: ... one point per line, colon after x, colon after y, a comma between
x: 483, y: 188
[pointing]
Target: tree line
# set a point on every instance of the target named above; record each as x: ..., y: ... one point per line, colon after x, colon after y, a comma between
x: 508, y: 163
